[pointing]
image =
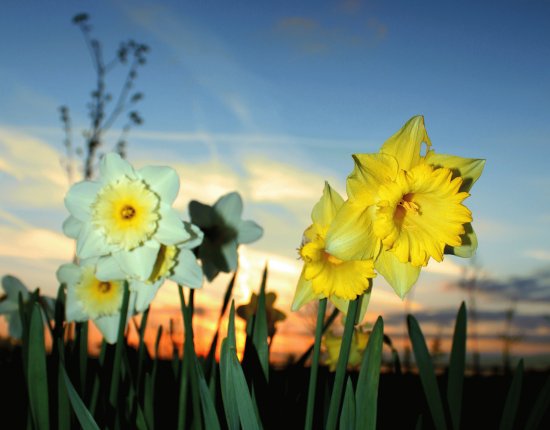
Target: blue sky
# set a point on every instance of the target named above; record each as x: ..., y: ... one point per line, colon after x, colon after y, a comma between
x: 272, y: 98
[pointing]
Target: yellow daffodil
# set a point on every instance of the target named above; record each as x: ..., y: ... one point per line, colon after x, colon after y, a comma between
x: 333, y: 343
x: 223, y: 231
x: 273, y: 315
x: 405, y: 207
x: 126, y: 215
x: 323, y: 274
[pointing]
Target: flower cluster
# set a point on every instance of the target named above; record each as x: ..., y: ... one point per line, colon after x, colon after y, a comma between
x: 404, y: 207
x: 126, y: 231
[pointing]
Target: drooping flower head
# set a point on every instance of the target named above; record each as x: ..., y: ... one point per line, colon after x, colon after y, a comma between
x: 325, y: 275
x: 405, y: 207
x: 333, y: 344
x: 126, y: 215
x: 223, y: 231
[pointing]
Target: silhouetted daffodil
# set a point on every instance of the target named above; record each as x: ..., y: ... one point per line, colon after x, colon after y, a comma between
x: 273, y: 315
x: 223, y: 231
x: 323, y: 274
x: 405, y: 207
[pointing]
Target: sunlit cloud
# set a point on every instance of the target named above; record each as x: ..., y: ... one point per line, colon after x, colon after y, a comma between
x: 539, y: 254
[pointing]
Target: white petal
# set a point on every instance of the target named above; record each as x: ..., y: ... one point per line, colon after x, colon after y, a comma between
x: 69, y: 274
x: 187, y: 272
x: 229, y: 251
x: 138, y: 263
x: 171, y: 229
x: 80, y: 197
x: 163, y: 180
x: 108, y: 269
x: 8, y: 306
x: 249, y: 231
x: 201, y: 214
x: 108, y: 326
x: 113, y: 167
x: 72, y: 227
x: 145, y: 293
x: 13, y: 286
x: 196, y: 236
x: 73, y: 309
x: 91, y: 243
x: 230, y: 208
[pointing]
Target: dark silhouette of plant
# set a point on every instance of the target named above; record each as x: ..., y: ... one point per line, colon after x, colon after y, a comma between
x: 131, y: 55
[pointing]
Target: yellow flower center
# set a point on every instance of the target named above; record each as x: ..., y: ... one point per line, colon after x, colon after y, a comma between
x: 166, y: 260
x: 127, y: 213
x: 98, y: 298
x: 330, y: 275
x: 421, y: 212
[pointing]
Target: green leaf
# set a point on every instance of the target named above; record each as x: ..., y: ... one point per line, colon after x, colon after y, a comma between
x: 347, y: 417
x: 427, y: 374
x: 210, y: 415
x: 369, y: 377
x: 235, y: 392
x: 84, y: 416
x: 540, y: 407
x: 512, y: 399
x: 259, y: 336
x: 37, y: 375
x: 457, y: 365
x: 141, y: 347
x: 148, y: 400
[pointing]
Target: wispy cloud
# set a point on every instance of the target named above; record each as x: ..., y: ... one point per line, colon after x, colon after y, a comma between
x: 539, y: 254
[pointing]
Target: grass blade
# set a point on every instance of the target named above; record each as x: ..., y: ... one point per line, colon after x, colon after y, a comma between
x: 540, y: 407
x: 457, y: 365
x: 512, y: 399
x: 427, y: 373
x: 210, y: 415
x: 259, y: 335
x: 347, y: 417
x: 37, y: 374
x: 84, y: 416
x: 369, y: 377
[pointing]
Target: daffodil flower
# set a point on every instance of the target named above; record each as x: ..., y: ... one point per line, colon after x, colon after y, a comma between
x: 404, y: 208
x: 89, y: 298
x: 125, y: 216
x: 333, y: 344
x: 273, y: 315
x: 9, y: 303
x: 323, y: 274
x: 223, y: 231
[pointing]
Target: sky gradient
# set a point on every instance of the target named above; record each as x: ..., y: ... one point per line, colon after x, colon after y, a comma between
x: 271, y: 99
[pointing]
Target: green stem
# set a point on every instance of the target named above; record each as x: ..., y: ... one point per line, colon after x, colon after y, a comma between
x: 315, y: 364
x: 336, y: 397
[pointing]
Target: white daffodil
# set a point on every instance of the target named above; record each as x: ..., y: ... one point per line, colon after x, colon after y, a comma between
x: 89, y: 298
x: 175, y: 262
x: 9, y: 303
x: 223, y: 231
x: 126, y: 215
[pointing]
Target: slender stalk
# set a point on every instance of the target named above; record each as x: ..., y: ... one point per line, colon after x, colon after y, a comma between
x: 315, y: 364
x: 336, y: 397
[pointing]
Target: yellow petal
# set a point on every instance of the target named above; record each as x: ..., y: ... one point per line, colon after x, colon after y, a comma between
x: 369, y: 172
x: 406, y: 144
x: 350, y: 236
x: 469, y: 243
x: 401, y: 276
x: 303, y: 294
x: 326, y: 208
x: 468, y: 168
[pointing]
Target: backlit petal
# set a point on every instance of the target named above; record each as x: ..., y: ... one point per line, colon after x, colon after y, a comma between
x: 350, y: 236
x: 343, y: 305
x: 170, y: 227
x: 369, y: 172
x: 108, y: 269
x: 196, y: 236
x: 230, y: 208
x: 71, y: 227
x: 113, y: 167
x: 325, y: 209
x: 13, y: 286
x: 187, y: 271
x: 80, y: 198
x: 249, y: 231
x: 229, y: 251
x: 303, y: 294
x: 406, y: 144
x: 401, y: 276
x: 469, y: 243
x: 469, y: 169
x: 91, y: 242
x: 138, y: 263
x: 108, y: 326
x: 163, y: 180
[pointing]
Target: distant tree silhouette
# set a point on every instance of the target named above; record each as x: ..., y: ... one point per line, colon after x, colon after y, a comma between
x: 131, y: 55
